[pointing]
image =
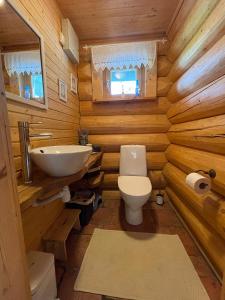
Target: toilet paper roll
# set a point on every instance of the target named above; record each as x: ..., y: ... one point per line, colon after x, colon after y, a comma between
x: 198, y: 183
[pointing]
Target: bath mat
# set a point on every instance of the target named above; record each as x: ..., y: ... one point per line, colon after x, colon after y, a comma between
x: 138, y: 266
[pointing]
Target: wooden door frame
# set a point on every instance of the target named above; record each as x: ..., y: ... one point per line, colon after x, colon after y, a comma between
x: 223, y: 287
x: 14, y: 282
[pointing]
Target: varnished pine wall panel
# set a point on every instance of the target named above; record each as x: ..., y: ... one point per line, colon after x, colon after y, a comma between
x: 111, y: 125
x: 62, y: 119
x: 197, y: 134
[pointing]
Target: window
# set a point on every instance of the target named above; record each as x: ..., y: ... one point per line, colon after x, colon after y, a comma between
x: 125, y: 71
x: 37, y: 86
x: 124, y: 82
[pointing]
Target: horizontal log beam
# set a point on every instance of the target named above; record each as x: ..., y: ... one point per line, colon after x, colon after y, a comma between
x: 163, y: 66
x: 208, y: 34
x: 112, y: 143
x: 84, y: 71
x: 155, y: 161
x: 211, y: 140
x: 199, y: 12
x: 189, y: 160
x: 85, y: 90
x: 125, y: 124
x: 163, y: 86
x: 157, y: 180
x: 180, y: 16
x: 211, y: 64
x: 207, y: 102
x: 109, y: 195
x: 136, y: 107
x: 210, y: 207
x: 211, y: 242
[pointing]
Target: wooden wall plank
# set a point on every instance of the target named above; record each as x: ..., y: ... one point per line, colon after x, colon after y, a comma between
x: 112, y: 142
x: 126, y: 124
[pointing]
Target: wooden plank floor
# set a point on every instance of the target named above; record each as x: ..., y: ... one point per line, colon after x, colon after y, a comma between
x: 111, y: 216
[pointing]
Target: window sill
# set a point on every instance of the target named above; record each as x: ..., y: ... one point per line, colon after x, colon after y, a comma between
x: 125, y: 99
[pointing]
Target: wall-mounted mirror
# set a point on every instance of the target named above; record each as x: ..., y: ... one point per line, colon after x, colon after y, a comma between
x: 21, y: 53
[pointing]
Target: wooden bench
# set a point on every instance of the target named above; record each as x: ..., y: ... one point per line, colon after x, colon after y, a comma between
x: 55, y: 238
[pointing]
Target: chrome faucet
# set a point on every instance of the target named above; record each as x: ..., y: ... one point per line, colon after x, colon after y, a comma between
x: 24, y: 136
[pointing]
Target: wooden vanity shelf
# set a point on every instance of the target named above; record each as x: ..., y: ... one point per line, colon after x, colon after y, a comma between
x: 55, y: 238
x: 43, y: 184
x: 92, y: 182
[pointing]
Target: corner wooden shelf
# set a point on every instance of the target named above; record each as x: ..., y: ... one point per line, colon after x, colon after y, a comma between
x: 44, y: 184
x: 95, y: 181
x: 55, y: 238
x: 92, y: 182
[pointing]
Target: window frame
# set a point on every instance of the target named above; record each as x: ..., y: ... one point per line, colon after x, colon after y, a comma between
x: 147, y: 81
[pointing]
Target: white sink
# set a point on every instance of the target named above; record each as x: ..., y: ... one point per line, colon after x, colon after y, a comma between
x: 61, y: 161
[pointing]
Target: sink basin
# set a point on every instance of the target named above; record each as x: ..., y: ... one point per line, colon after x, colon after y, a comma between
x: 61, y: 161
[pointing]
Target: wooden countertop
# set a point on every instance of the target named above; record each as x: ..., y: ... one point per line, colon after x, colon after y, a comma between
x: 44, y: 184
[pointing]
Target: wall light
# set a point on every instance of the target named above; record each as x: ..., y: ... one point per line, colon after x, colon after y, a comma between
x: 2, y: 2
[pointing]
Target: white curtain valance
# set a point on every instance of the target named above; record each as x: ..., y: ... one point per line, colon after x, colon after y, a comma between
x: 23, y: 62
x: 125, y: 55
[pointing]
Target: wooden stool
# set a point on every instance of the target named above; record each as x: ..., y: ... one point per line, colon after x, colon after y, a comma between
x: 56, y: 236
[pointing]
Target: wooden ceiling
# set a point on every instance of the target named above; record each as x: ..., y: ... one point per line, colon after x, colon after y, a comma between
x: 13, y: 29
x: 111, y: 19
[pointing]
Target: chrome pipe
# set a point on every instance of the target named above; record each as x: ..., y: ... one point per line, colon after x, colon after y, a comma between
x: 24, y: 136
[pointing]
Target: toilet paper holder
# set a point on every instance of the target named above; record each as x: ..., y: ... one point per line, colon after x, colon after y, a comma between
x: 211, y: 172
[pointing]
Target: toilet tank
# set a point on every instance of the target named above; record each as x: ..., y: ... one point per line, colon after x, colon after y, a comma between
x: 133, y: 160
x: 42, y: 275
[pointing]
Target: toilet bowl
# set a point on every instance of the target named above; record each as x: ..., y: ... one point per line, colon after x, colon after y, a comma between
x: 134, y: 185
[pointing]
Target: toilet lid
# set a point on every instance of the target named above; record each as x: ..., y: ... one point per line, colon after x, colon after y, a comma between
x: 135, y: 185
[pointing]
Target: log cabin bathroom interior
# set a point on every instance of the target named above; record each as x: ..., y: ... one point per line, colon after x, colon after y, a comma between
x: 112, y: 149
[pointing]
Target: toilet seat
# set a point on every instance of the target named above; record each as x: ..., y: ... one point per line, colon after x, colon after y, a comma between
x: 136, y: 186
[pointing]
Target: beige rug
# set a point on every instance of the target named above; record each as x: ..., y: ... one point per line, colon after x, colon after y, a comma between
x: 139, y: 266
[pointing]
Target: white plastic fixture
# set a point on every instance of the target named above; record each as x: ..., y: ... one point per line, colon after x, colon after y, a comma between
x: 134, y: 185
x: 61, y: 161
x: 70, y: 41
x: 42, y: 275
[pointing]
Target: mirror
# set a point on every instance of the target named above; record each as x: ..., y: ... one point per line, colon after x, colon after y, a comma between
x: 21, y: 53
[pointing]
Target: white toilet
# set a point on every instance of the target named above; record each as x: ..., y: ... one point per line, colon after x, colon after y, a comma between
x: 134, y: 185
x: 41, y: 267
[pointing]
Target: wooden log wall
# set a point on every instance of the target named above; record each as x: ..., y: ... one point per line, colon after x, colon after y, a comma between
x: 197, y: 114
x: 111, y: 125
x: 62, y: 119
